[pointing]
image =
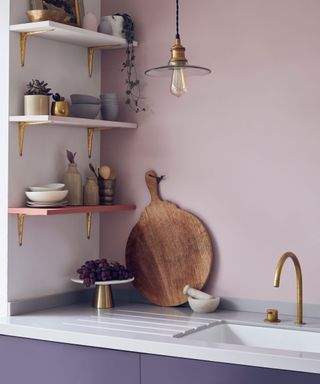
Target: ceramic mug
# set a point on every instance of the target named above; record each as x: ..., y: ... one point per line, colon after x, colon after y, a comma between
x: 116, y: 25
x: 105, y: 26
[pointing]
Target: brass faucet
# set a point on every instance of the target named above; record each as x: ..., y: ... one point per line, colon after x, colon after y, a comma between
x: 276, y: 283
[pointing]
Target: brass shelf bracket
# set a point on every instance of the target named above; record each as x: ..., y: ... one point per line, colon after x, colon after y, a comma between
x: 23, y: 42
x: 91, y: 132
x: 20, y: 228
x: 89, y: 225
x: 22, y: 126
x: 91, y: 52
x: 90, y: 141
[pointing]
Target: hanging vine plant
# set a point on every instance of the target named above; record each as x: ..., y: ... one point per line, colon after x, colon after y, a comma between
x: 133, y: 93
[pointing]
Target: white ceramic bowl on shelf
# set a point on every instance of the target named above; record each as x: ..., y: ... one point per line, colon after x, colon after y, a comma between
x: 47, y: 187
x: 47, y: 196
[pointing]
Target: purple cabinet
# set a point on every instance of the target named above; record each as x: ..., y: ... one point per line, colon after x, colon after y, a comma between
x: 169, y: 370
x: 25, y: 361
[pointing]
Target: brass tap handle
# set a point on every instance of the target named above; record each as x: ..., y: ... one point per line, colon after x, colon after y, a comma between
x: 272, y: 316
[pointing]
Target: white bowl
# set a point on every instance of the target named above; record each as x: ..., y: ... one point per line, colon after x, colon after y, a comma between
x: 48, y: 187
x: 204, y: 305
x: 47, y: 196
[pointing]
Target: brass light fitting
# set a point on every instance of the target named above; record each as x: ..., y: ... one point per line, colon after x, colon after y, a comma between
x: 178, y: 55
x: 178, y: 65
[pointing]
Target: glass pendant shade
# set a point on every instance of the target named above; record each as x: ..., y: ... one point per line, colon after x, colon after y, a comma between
x: 178, y: 67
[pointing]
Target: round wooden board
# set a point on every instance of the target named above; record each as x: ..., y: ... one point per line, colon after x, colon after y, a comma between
x: 167, y: 249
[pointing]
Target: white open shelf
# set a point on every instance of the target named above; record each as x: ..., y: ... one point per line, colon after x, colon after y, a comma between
x: 92, y: 125
x: 71, y: 35
x: 71, y: 121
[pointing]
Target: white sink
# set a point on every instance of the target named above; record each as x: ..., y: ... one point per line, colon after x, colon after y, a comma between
x: 259, y: 336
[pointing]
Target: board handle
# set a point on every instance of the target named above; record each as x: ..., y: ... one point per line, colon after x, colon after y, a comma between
x: 152, y: 184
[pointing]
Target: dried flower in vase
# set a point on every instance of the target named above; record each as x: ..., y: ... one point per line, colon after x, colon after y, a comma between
x: 71, y: 156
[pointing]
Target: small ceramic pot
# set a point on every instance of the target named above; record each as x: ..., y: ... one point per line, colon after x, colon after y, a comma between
x: 109, y: 106
x: 116, y: 25
x: 60, y: 108
x: 91, y: 192
x: 36, y: 105
x: 110, y: 111
x: 106, y: 191
x: 105, y: 26
x: 90, y: 21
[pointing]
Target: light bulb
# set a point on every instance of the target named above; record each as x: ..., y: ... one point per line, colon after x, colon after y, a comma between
x: 178, y: 82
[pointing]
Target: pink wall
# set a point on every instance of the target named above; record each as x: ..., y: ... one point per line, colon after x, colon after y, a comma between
x: 242, y: 149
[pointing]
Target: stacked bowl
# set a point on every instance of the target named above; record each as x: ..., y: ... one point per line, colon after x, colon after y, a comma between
x: 47, y: 196
x: 109, y: 106
x: 85, y: 106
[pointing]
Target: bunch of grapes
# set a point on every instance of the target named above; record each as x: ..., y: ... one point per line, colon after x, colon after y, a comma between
x: 101, y: 270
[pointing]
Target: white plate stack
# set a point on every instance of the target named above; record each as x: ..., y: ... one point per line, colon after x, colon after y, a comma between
x: 47, y: 196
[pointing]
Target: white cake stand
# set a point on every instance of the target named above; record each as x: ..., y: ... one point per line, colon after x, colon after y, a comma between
x: 103, y: 292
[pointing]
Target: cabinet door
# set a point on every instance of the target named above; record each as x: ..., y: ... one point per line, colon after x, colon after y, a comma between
x: 168, y: 370
x: 25, y: 361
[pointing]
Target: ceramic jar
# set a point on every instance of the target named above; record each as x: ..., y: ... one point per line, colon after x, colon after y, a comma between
x: 109, y: 106
x: 116, y: 23
x: 105, y: 26
x: 91, y: 192
x: 106, y: 191
x: 60, y: 108
x: 36, y: 105
x: 90, y: 21
x: 73, y: 181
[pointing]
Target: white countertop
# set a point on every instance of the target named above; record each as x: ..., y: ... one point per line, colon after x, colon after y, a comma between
x: 151, y: 329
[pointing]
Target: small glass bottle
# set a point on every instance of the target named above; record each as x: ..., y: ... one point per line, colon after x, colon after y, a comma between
x: 91, y: 192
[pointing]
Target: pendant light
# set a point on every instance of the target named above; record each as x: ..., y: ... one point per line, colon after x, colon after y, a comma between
x: 178, y: 66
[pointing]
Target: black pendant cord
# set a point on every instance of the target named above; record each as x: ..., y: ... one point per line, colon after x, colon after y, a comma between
x: 177, y: 20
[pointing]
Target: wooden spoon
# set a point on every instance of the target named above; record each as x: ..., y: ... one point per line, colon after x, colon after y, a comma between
x: 105, y: 172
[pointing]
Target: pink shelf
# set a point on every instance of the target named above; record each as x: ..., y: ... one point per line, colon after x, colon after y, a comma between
x: 70, y: 210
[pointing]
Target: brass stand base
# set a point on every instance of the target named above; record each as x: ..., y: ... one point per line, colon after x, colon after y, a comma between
x: 103, y: 297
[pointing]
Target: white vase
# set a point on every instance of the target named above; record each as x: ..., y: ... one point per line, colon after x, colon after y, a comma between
x: 36, y: 105
x: 90, y: 21
x: 116, y: 25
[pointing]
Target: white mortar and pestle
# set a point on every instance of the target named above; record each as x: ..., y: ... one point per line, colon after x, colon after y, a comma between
x: 199, y: 301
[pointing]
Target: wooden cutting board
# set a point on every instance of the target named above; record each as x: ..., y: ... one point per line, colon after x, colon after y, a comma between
x: 167, y: 249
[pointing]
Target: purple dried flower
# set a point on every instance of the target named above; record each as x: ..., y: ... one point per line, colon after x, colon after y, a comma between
x: 71, y: 156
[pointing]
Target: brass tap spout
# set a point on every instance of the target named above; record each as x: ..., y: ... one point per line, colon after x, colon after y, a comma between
x: 276, y: 282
